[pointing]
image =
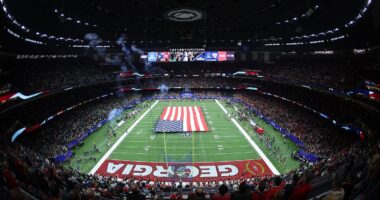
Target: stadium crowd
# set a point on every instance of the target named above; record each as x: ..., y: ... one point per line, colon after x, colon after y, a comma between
x: 41, y: 75
x: 26, y: 166
x: 74, y: 124
x: 27, y: 169
x: 199, y: 82
x: 320, y: 136
x: 27, y: 175
x: 327, y: 73
x: 341, y: 109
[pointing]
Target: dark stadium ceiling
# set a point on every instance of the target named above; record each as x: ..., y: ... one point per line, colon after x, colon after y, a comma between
x: 150, y: 23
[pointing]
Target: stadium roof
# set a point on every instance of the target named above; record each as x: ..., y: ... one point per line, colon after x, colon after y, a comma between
x: 152, y: 23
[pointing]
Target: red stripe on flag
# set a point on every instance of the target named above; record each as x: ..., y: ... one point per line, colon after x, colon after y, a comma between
x: 203, y: 119
x: 176, y: 112
x: 195, y: 118
x: 179, y: 114
x: 163, y: 113
x: 168, y: 112
x: 191, y: 116
x: 184, y: 118
x: 201, y: 128
x: 188, y: 119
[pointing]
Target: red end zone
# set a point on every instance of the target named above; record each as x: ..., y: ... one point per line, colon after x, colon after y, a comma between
x: 206, y: 171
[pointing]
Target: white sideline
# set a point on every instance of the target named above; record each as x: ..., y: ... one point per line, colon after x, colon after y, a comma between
x: 106, y: 155
x: 253, y: 144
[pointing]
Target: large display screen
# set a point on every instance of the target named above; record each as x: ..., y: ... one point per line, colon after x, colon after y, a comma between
x: 189, y: 56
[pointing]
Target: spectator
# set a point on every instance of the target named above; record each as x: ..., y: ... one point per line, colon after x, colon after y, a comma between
x: 260, y: 194
x: 337, y: 192
x: 289, y: 188
x: 135, y: 193
x: 302, y: 190
x: 222, y: 194
x: 9, y: 176
x: 348, y: 188
x: 276, y: 191
x: 242, y: 194
x: 198, y: 195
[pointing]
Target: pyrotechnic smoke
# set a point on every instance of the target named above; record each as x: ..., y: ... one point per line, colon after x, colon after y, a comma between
x: 94, y: 42
x: 163, y: 89
x: 114, y: 112
x: 111, y: 116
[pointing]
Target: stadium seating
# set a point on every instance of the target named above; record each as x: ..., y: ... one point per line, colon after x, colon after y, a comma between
x: 197, y: 100
x: 341, y: 153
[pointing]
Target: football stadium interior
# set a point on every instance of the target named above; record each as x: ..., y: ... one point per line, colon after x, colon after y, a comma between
x: 190, y: 99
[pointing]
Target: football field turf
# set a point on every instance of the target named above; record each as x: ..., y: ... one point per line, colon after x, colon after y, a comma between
x: 223, y: 142
x: 136, y: 141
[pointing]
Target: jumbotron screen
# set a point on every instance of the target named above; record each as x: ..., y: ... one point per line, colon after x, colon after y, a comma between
x: 189, y: 56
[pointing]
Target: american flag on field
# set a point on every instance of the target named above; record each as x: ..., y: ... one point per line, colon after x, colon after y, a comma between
x: 181, y: 119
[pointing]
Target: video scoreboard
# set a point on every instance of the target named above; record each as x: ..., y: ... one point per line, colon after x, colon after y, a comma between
x: 188, y: 55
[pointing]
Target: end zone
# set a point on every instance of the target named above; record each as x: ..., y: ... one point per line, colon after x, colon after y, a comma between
x: 200, y: 171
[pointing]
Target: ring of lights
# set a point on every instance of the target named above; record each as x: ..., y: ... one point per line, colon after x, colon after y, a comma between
x: 184, y: 15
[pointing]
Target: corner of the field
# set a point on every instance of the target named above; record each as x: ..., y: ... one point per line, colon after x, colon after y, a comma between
x: 113, y: 147
x: 251, y: 142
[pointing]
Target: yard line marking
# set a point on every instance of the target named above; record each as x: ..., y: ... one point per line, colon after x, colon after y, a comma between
x: 249, y: 139
x: 185, y: 154
x: 181, y: 139
x: 106, y: 155
x: 212, y: 147
x: 166, y: 152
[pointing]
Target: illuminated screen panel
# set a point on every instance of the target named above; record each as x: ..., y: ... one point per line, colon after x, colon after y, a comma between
x: 189, y: 56
x: 152, y: 56
x: 163, y: 57
x: 222, y: 56
x: 211, y: 56
x: 230, y: 55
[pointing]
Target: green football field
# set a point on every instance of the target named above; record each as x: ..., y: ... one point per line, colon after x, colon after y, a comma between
x: 223, y: 142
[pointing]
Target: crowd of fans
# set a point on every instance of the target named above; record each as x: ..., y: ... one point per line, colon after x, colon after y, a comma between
x: 320, y: 137
x: 27, y: 171
x: 341, y: 109
x: 40, y: 75
x: 191, y: 82
x: 73, y: 124
x: 326, y: 73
